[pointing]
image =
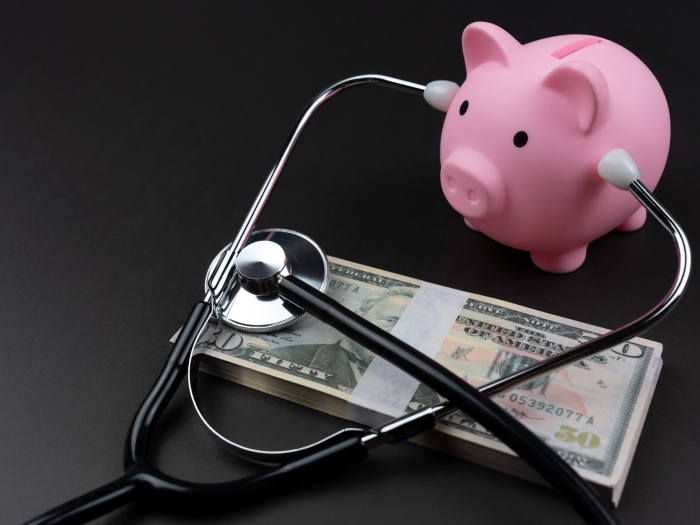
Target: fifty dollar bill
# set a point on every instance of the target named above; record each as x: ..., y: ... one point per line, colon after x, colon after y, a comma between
x: 591, y: 413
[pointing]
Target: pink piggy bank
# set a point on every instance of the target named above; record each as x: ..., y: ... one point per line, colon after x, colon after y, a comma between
x: 524, y: 133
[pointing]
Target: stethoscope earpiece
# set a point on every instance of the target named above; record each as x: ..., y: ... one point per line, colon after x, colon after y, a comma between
x: 617, y: 167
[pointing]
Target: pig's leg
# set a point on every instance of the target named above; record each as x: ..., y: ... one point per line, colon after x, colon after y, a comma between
x: 470, y: 225
x: 561, y: 262
x: 634, y: 221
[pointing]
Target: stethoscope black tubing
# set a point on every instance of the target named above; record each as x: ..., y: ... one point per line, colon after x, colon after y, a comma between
x: 142, y: 480
x: 468, y: 399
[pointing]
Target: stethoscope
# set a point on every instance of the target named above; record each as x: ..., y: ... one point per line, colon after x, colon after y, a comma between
x: 267, y: 280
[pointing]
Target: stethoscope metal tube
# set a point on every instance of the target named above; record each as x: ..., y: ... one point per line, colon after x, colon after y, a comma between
x: 380, y: 435
x: 350, y: 445
x: 610, y: 339
x: 226, y: 265
x: 630, y: 330
x: 223, y: 272
x: 427, y: 417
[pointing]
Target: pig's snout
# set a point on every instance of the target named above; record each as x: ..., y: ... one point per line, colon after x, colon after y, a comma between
x: 472, y: 184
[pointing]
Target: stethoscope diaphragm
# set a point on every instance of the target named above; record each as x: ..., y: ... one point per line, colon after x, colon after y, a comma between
x: 250, y: 302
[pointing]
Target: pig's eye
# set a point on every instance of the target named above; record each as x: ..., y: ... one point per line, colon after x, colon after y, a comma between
x: 520, y: 139
x: 463, y: 108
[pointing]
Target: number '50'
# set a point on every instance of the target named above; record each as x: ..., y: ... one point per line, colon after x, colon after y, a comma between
x: 585, y: 439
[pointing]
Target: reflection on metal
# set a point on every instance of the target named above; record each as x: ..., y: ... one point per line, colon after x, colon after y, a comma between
x: 253, y: 312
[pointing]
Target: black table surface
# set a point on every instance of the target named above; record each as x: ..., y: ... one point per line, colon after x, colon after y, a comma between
x: 133, y: 139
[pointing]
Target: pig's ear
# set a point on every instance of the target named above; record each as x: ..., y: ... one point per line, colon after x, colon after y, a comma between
x: 483, y: 42
x: 585, y: 88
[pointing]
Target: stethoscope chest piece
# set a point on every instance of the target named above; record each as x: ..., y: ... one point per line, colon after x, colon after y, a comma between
x: 251, y: 302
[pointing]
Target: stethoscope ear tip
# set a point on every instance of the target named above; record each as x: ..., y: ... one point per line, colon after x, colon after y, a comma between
x: 440, y: 94
x: 618, y: 168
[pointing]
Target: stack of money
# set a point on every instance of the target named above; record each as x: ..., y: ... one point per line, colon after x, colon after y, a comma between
x: 590, y: 413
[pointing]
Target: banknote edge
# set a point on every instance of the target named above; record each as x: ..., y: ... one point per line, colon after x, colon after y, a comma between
x: 626, y: 466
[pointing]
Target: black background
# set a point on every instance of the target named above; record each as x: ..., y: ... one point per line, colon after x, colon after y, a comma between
x: 133, y: 139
